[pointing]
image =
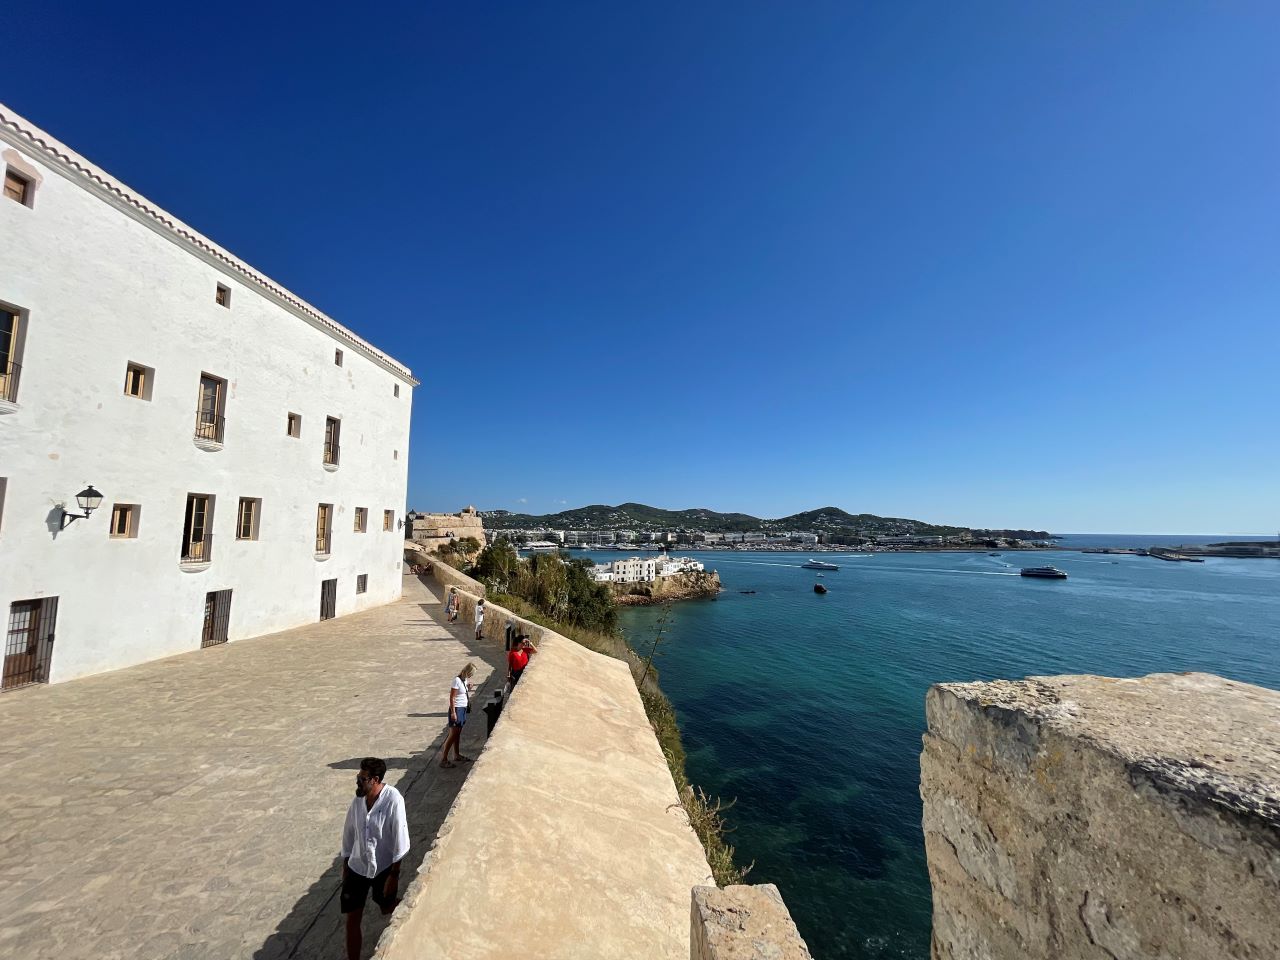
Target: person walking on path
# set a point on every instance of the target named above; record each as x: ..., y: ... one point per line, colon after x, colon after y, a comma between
x: 459, y: 702
x: 480, y: 618
x: 375, y: 839
x: 451, y: 605
x: 518, y: 659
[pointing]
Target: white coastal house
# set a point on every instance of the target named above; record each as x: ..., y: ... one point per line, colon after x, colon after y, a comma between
x: 643, y: 569
x: 241, y: 456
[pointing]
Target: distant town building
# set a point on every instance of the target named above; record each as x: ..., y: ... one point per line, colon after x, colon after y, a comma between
x: 644, y: 569
x: 190, y: 454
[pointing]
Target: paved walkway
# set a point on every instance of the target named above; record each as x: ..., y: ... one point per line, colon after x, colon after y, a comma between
x: 192, y: 807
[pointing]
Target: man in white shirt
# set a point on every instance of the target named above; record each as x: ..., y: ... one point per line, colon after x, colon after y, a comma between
x: 375, y: 839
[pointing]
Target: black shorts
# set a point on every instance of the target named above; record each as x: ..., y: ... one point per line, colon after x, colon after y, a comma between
x: 355, y: 888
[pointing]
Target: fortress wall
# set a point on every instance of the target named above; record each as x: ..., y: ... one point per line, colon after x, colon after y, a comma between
x: 1089, y: 817
x: 567, y: 839
x: 445, y: 575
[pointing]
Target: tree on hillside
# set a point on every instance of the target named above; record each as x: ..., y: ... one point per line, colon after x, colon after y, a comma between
x: 497, y: 564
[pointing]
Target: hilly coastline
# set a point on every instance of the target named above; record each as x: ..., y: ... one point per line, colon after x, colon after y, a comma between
x: 831, y: 521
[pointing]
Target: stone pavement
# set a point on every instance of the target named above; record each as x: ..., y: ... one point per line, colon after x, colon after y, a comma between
x: 192, y: 807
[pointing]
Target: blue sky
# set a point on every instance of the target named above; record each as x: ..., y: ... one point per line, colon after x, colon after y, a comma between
x: 990, y: 264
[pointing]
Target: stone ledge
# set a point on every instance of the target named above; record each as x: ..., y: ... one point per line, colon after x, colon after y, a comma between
x: 1091, y: 817
x: 743, y: 922
x: 1173, y: 732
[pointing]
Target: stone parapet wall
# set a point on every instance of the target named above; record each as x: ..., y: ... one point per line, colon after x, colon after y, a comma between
x: 1088, y: 817
x: 568, y: 839
x: 443, y: 574
x: 743, y: 923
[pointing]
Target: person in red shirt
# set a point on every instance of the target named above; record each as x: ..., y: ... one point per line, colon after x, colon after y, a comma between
x: 518, y: 659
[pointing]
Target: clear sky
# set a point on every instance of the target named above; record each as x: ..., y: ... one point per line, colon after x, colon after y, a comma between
x: 988, y: 264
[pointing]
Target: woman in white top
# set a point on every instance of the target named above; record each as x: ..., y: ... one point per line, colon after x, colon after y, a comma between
x: 459, y: 701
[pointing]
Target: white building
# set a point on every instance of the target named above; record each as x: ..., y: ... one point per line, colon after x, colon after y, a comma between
x: 251, y: 453
x: 643, y: 569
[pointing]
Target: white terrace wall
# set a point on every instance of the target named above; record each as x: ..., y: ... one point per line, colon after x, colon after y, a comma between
x: 1100, y: 819
x: 568, y: 839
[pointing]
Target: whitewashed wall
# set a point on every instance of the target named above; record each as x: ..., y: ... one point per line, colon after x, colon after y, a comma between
x: 103, y: 289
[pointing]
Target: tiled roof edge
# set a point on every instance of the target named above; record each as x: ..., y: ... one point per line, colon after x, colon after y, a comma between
x: 22, y: 133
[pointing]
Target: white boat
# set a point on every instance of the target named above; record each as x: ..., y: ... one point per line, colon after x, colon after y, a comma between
x: 541, y: 546
x: 818, y: 565
x: 1047, y: 573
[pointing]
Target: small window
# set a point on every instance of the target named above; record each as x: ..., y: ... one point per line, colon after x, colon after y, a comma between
x: 362, y: 583
x: 17, y: 187
x: 337, y: 357
x: 332, y: 426
x: 247, y: 518
x: 294, y: 425
x: 210, y: 406
x: 137, y: 381
x: 11, y: 338
x: 223, y: 296
x: 362, y: 519
x: 388, y: 519
x: 124, y: 521
x: 324, y: 516
x: 395, y: 389
x: 4, y: 485
x: 395, y: 454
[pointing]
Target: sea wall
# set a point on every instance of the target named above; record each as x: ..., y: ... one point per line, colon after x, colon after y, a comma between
x: 567, y: 839
x: 1087, y: 817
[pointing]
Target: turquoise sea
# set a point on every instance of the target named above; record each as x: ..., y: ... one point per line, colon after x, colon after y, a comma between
x: 808, y: 710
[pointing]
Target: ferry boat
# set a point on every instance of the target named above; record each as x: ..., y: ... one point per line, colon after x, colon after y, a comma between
x: 818, y: 565
x: 541, y: 546
x: 1049, y: 573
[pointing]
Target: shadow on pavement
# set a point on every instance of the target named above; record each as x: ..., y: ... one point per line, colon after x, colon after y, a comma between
x: 314, y: 928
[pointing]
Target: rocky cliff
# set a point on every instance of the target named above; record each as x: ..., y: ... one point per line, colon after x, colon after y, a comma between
x: 681, y: 586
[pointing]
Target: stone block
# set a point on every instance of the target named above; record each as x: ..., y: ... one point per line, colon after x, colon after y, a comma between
x: 743, y: 923
x: 1090, y: 817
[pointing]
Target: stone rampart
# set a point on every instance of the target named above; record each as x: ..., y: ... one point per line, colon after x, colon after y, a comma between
x: 443, y: 574
x: 1088, y: 817
x: 434, y: 530
x: 567, y: 839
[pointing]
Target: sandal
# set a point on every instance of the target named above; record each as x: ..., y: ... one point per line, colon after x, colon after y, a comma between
x: 461, y: 759
x: 447, y: 764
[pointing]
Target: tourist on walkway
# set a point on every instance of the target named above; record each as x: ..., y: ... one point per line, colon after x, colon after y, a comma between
x: 479, y: 618
x: 375, y: 839
x: 459, y: 701
x: 451, y: 605
x: 518, y: 659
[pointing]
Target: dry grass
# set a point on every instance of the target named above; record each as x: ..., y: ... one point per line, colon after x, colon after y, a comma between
x: 705, y: 813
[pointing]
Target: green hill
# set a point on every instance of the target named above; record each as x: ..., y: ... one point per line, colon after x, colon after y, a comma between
x: 640, y: 517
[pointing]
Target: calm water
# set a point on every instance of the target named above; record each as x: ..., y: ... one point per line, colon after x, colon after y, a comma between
x: 809, y: 709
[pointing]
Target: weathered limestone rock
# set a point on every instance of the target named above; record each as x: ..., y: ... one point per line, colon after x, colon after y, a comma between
x: 743, y: 923
x: 691, y: 585
x: 1091, y: 817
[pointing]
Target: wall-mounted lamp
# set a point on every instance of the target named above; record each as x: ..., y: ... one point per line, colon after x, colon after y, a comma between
x: 89, y: 500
